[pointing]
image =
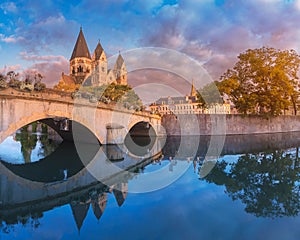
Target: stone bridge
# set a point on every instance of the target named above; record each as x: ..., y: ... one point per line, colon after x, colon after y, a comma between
x: 80, y: 118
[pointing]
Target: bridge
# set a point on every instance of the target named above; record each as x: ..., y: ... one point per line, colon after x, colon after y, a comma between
x: 78, y: 119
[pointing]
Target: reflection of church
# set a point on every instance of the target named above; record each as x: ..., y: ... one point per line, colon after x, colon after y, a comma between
x: 93, y: 69
x: 98, y: 202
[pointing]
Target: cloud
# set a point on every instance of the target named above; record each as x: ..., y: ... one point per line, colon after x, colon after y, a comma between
x: 51, y: 67
x: 208, y: 30
x: 14, y: 68
x: 8, y: 7
x: 10, y: 39
x: 214, y: 32
x: 152, y: 84
x: 33, y: 57
x: 46, y: 34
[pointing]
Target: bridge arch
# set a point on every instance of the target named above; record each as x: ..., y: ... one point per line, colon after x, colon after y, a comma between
x: 82, y: 129
x: 18, y: 109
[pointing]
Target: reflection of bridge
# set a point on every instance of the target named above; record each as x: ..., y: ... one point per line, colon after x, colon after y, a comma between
x: 27, y: 190
x: 108, y: 122
x: 21, y: 193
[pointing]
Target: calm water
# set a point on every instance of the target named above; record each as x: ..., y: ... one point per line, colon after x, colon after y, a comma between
x: 251, y: 193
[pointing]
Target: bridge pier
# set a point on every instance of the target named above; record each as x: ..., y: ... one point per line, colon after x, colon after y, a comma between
x: 115, y: 134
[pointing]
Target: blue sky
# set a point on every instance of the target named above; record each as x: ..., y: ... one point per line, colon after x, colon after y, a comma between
x: 41, y: 35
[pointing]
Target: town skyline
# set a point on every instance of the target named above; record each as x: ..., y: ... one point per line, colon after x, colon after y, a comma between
x: 211, y: 32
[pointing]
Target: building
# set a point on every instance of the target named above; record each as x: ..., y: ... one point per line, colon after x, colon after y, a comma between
x: 186, y: 105
x: 92, y: 69
x: 177, y: 105
x: 218, y: 108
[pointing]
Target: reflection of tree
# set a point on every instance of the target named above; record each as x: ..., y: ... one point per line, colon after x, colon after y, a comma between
x: 268, y: 183
x: 28, y: 138
x: 48, y: 144
x: 28, y: 141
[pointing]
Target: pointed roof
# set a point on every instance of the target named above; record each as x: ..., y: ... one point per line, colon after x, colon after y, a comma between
x: 98, y: 51
x: 193, y: 90
x: 119, y: 61
x: 79, y: 212
x: 119, y: 197
x: 120, y: 193
x: 80, y: 49
x: 99, y: 205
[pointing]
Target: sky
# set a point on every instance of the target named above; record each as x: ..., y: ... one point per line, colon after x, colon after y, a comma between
x: 40, y: 36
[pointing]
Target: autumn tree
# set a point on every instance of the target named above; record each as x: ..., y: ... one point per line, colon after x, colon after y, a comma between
x: 263, y: 81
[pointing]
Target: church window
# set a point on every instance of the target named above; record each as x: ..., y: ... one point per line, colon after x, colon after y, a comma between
x: 80, y: 69
x: 103, y: 69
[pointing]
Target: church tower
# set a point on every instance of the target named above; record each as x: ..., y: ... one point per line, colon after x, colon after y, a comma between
x: 99, y: 66
x: 80, y: 61
x: 120, y: 71
x: 193, y: 90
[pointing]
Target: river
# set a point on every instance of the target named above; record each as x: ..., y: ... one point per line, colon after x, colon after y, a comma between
x: 249, y: 191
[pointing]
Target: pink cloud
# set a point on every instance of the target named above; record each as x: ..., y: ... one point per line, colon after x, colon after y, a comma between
x: 6, y: 69
x: 33, y: 57
x: 10, y: 39
x: 51, y: 70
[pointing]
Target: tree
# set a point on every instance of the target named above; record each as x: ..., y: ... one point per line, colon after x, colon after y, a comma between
x: 209, y: 95
x: 122, y: 94
x: 38, y: 85
x: 3, y: 83
x: 62, y: 86
x: 263, y: 81
x: 13, y: 80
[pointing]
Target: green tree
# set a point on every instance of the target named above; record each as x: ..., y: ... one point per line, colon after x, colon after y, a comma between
x: 209, y: 95
x: 263, y: 81
x: 122, y: 94
x: 28, y: 141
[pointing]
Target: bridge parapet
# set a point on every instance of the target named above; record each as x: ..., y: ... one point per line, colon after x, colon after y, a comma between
x: 19, y: 108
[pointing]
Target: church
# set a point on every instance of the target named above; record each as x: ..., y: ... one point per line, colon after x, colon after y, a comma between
x: 92, y: 69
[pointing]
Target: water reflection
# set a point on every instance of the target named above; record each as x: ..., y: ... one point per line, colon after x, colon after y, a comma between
x: 259, y: 171
x: 267, y: 182
x: 35, y: 141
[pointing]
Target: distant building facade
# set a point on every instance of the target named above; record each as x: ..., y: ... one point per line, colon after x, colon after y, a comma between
x: 92, y: 69
x: 186, y: 105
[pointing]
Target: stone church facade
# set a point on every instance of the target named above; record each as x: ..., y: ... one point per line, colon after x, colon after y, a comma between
x: 92, y: 69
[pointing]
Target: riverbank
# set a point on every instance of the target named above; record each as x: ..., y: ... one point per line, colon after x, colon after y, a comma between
x: 231, y: 124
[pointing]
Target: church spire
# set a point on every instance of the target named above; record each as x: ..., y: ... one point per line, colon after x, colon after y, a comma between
x: 193, y: 90
x: 80, y: 49
x: 79, y: 213
x: 120, y: 60
x: 98, y: 51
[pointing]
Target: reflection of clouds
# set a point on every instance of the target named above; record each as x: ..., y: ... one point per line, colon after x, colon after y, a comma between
x: 10, y: 151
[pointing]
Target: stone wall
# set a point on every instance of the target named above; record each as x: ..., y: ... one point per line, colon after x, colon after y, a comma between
x: 216, y: 124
